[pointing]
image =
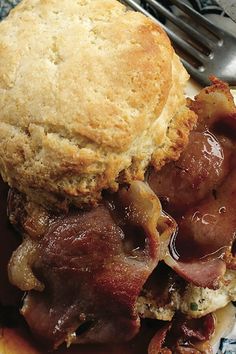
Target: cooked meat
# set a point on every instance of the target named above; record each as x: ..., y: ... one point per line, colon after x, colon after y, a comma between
x: 199, y: 190
x: 165, y: 293
x: 199, y: 170
x: 156, y: 298
x: 203, y: 273
x: 183, y: 335
x: 89, y: 281
x: 156, y: 344
x: 209, y: 156
x: 209, y: 227
x: 214, y: 104
x: 91, y: 272
x: 196, y: 301
x: 230, y: 257
x: 91, y: 275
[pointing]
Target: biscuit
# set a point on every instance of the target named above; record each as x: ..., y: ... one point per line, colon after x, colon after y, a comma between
x: 90, y: 95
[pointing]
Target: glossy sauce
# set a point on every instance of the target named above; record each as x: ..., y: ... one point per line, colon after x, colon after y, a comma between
x: 199, y: 192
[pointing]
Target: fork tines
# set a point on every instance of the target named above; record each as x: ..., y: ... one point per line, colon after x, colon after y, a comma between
x: 199, y: 43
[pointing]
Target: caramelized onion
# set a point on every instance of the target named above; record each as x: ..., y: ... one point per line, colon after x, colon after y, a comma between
x: 20, y: 271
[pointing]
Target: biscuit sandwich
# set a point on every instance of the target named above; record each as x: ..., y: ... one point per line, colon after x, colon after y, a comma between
x: 92, y: 100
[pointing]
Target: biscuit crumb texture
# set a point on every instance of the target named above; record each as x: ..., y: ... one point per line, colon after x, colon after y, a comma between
x: 193, y: 301
x: 90, y: 95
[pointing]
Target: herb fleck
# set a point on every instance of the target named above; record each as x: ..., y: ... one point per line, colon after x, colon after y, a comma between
x: 193, y: 306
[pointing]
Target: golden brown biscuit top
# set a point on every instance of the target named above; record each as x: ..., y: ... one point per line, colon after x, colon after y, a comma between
x: 80, y: 82
x: 86, y: 68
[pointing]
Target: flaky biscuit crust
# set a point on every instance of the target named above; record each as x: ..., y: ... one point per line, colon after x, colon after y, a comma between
x: 87, y: 93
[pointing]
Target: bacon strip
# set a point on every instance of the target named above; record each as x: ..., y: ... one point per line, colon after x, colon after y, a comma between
x: 93, y: 271
x: 205, y: 274
x: 157, y: 342
x: 183, y: 335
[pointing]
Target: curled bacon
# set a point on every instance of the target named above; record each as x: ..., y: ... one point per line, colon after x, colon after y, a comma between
x: 93, y: 265
x: 203, y: 273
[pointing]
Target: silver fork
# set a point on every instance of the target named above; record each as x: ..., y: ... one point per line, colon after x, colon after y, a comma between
x: 212, y: 48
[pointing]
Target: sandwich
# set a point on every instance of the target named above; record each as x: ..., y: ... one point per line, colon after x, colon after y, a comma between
x: 120, y: 189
